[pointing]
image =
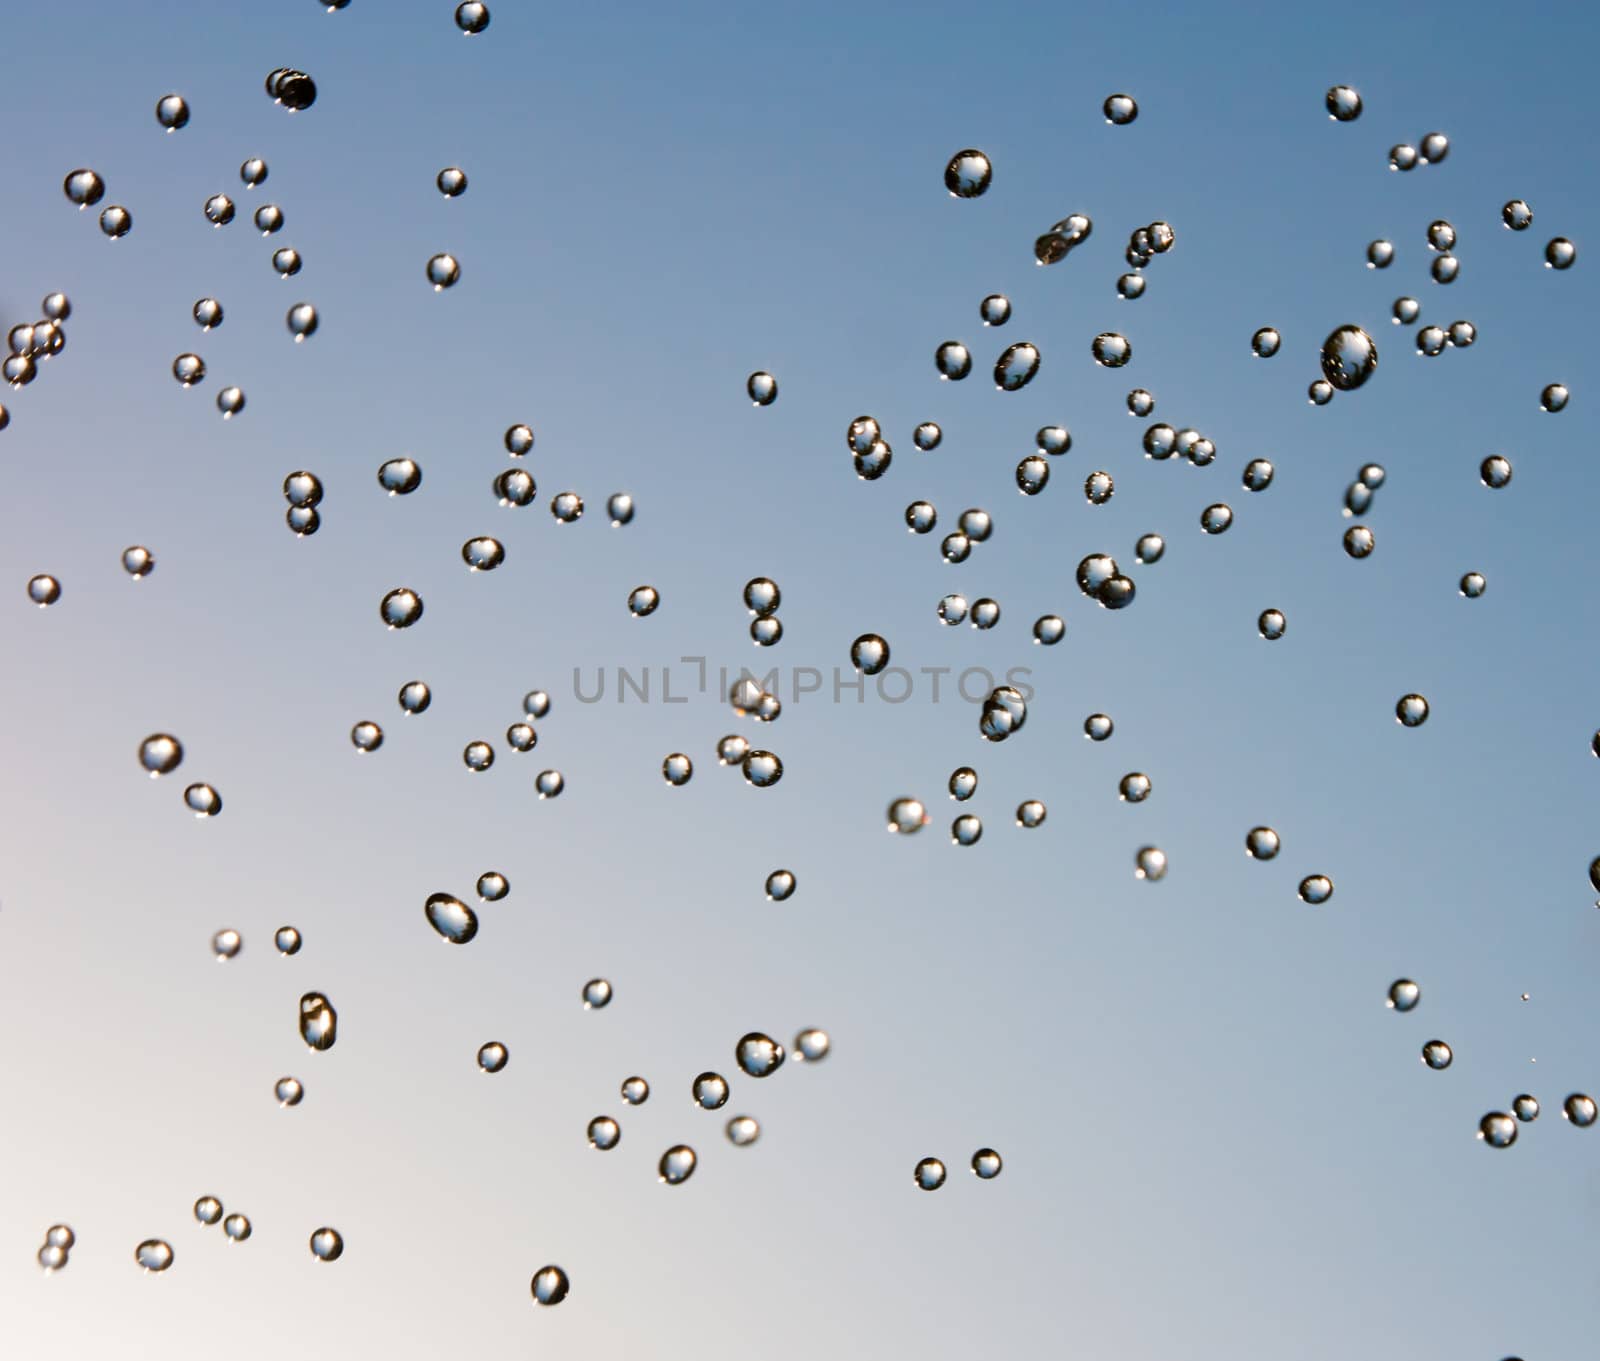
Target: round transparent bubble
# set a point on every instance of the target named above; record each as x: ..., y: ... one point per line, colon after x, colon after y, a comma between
x: 1134, y: 787
x: 286, y: 261
x: 253, y: 172
x: 302, y: 488
x: 1441, y: 235
x: 52, y: 1256
x: 44, y: 590
x: 1004, y: 713
x: 677, y: 1165
x: 207, y: 313
x: 953, y: 609
x: 518, y: 440
x: 710, y: 1091
x: 968, y: 173
x: 237, y: 1228
x: 415, y: 696
x: 604, y: 1133
x: 443, y: 271
x: 743, y: 1130
x: 976, y: 524
x: 1517, y: 215
x: 172, y: 112
x: 1030, y: 813
x: 1437, y: 1055
x: 1349, y: 357
x: 1150, y: 862
x: 869, y: 654
x: 1431, y: 341
x: 761, y: 768
x: 963, y: 783
x: 83, y: 187
x: 643, y: 601
x: 1215, y: 519
x: 953, y: 360
x: 1343, y: 103
x: 484, y: 554
x: 1472, y: 585
x: 955, y: 547
x: 927, y: 435
x: 288, y: 940
x: 1402, y: 156
x: 1357, y: 498
x: 303, y: 520
x: 1262, y: 843
x: 1094, y: 571
x: 1435, y: 147
x: 1265, y: 342
x: 995, y: 310
x: 472, y: 16
x: 1272, y: 625
x: 863, y: 433
x: 1579, y: 1110
x: 1049, y: 629
x: 219, y: 210
x: 189, y: 369
x: 451, y: 918
x: 1111, y: 350
x: 400, y: 608
x: 202, y: 800
x: 907, y: 816
x: 677, y: 769
x: 619, y: 506
x: 1202, y: 452
x: 811, y: 1045
x: 762, y: 388
x: 1320, y: 393
x: 549, y: 1285
x: 230, y: 402
x: 1463, y: 334
x: 929, y: 1174
x: 966, y: 830
x: 1554, y: 397
x: 160, y: 754
x: 515, y: 487
x: 1498, y: 1130
x: 1495, y: 471
x: 1160, y: 441
x: 1380, y: 254
x: 451, y: 181
x: 208, y: 1210
x: 921, y: 517
x: 1316, y: 889
x: 302, y: 321
x: 536, y: 703
x: 226, y: 944
x: 986, y: 1164
x: 1016, y: 366
x: 1444, y: 269
x: 1120, y: 109
x: 874, y: 464
x: 1525, y: 1107
x: 327, y: 1245
x: 493, y: 1056
x: 1403, y: 995
x: 477, y: 756
x: 154, y: 1254
x: 1117, y: 593
x: 1358, y: 541
x: 116, y: 221
x: 758, y: 1055
x: 1258, y: 474
x: 492, y: 886
x: 985, y: 613
x: 399, y: 476
x: 766, y: 631
x: 1406, y: 311
x: 1411, y: 711
x: 780, y: 886
x: 1098, y: 727
x: 1098, y: 488
x: 319, y: 1022
x: 731, y: 750
x: 635, y: 1090
x: 567, y: 507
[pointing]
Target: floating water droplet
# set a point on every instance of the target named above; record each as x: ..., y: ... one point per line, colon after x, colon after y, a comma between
x: 1098, y: 488
x: 400, y: 608
x: 1134, y: 787
x: 1150, y: 863
x: 1215, y: 519
x: 549, y: 1285
x: 731, y: 750
x: 1258, y: 474
x: 604, y: 1133
x: 1495, y: 472
x: 1098, y: 727
x: 1032, y: 475
x: 567, y: 507
x: 327, y: 1245
x: 399, y: 476
x: 929, y: 1174
x: 1120, y: 109
x: 302, y: 321
x: 226, y: 944
x: 963, y: 784
x: 619, y: 506
x: 677, y: 1165
x: 477, y: 756
x: 117, y: 221
x: 1348, y: 357
x: 451, y: 918
x: 762, y: 768
x: 1403, y: 156
x: 966, y: 830
x: 1403, y: 994
x: 762, y: 387
x: 208, y: 1210
x: 758, y: 1055
x: 1431, y: 341
x: 1111, y: 350
x: 230, y: 402
x: 1435, y: 147
x: 237, y: 1227
x: 287, y: 939
x: 1073, y: 230
x: 319, y: 1022
x: 1272, y: 625
x: 986, y: 1164
x: 968, y: 173
x: 153, y: 1254
x: 44, y: 590
x: 596, y: 994
x: 1444, y: 269
x: 253, y: 172
x: 415, y: 696
x: 743, y: 1130
x: 1411, y: 711
x: 288, y: 1091
x: 643, y: 601
x: 1016, y: 366
x: 1140, y: 403
x: 1554, y: 397
x: 202, y: 800
x: 1030, y: 813
x: 287, y: 262
x: 635, y: 1091
x: 189, y: 369
x: 1579, y: 1110
x: 1498, y: 1130
x: 1525, y: 1107
x: 1316, y: 889
x: 995, y: 310
x: 952, y: 609
x: 366, y: 736
x: 953, y: 360
x: 472, y: 16
x: 1441, y: 235
x: 1380, y: 254
x: 302, y: 488
x: 869, y: 654
x: 1130, y: 286
x: 907, y: 816
x: 1262, y: 843
x: 493, y: 1056
x: 1004, y: 713
x: 710, y: 1091
x: 515, y: 487
x: 1437, y: 1055
x: 83, y: 187
x: 1406, y: 311
x: 1472, y: 585
x: 219, y: 210
x: 1049, y: 629
x: 1358, y: 541
x: 1344, y: 104
x: 1517, y: 215
x: 295, y: 90
x: 160, y: 754
x: 443, y: 271
x: 451, y: 181
x: 172, y: 112
x: 1150, y: 548
x: 927, y: 436
x: 780, y: 885
x: 1265, y: 342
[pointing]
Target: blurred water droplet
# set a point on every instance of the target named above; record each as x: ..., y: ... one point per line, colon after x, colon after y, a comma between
x: 549, y: 1285
x: 1098, y: 727
x: 230, y: 402
x: 1134, y: 787
x: 253, y: 172
x: 116, y: 221
x: 731, y: 750
x: 677, y: 1165
x: 1262, y: 843
x: 567, y: 507
x: 226, y: 944
x: 966, y: 830
x: 596, y: 994
x: 1472, y: 585
x: 1498, y: 1130
x: 604, y: 1133
x: 153, y: 1255
x: 762, y: 387
x: 286, y: 262
x: 1525, y: 1108
x: 619, y: 506
x: 635, y: 1091
x: 207, y: 313
x: 237, y: 1227
x: 302, y: 321
x: 172, y: 112
x: 1435, y: 147
x: 189, y: 369
x: 1150, y: 863
x: 443, y: 271
x: 327, y: 1245
x: 319, y: 1022
x: 1272, y: 625
x: 907, y: 816
x: 1403, y: 995
x: 1358, y: 541
x: 472, y: 16
x: 451, y: 181
x: 643, y: 601
x: 415, y: 696
x: 202, y: 800
x: 1031, y: 813
x: 288, y: 1091
x: 1444, y: 269
x: 929, y: 1174
x: 743, y: 1130
x: 493, y: 1056
x: 1049, y: 629
x: 83, y: 187
x: 1403, y: 156
x: 293, y: 89
x: 208, y: 1210
x: 1380, y: 254
x: 1315, y: 889
x: 1411, y: 711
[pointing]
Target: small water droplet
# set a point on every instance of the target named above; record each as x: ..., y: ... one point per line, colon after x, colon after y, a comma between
x: 1343, y: 103
x: 319, y: 1022
x: 172, y: 112
x: 604, y: 1133
x: 929, y: 1174
x: 549, y: 1285
x: 635, y: 1091
x: 443, y: 271
x: 758, y: 1055
x: 288, y: 1091
x: 1403, y: 995
x: 1316, y: 889
x: 327, y: 1245
x: 1262, y: 843
x: 451, y: 181
x: 762, y: 388
x: 153, y: 1255
x: 493, y: 1056
x: 1150, y: 862
x: 1498, y: 1130
x: 968, y: 173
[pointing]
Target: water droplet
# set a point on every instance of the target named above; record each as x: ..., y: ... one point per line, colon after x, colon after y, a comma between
x: 160, y: 754
x: 415, y: 697
x: 208, y: 1210
x: 237, y: 1227
x: 1215, y: 519
x: 968, y: 173
x: 567, y: 507
x: 287, y: 262
x: 1316, y: 889
x: 643, y: 601
x: 302, y: 488
x: 986, y: 1164
x: 116, y: 221
x: 677, y: 1165
x: 1444, y: 269
x: 927, y: 436
x: 1049, y: 629
x: 604, y: 1133
x: 1554, y: 397
x: 985, y: 613
x: 1411, y: 711
x: 1272, y: 625
x: 493, y: 1056
x: 743, y: 1130
x: 1130, y: 286
x: 1525, y: 1108
x: 219, y: 210
x: 1120, y: 109
x: 1030, y: 813
x: 1111, y: 350
x: 172, y: 112
x: 1150, y: 863
x: 1261, y: 843
x: 1265, y: 342
x: 327, y: 1245
x: 443, y: 271
x: 1004, y: 713
x: 452, y: 181
x: 366, y: 736
x: 874, y: 464
x: 596, y: 994
x: 1403, y: 995
x: 1258, y: 474
x: 288, y: 1091
x: 301, y: 320
x: 549, y: 1284
x: 758, y: 1055
x: 1579, y: 1110
x: 953, y: 360
x: 1094, y: 571
x: 907, y: 816
x: 1134, y: 787
x: 1498, y: 1130
x: 230, y: 402
x: 44, y: 590
x: 1372, y: 475
x: 963, y: 784
x: 1015, y: 368
x: 762, y: 768
x: 869, y: 654
x: 1437, y: 1055
x: 710, y: 1091
x: 1380, y: 254
x: 635, y: 1091
x: 153, y: 1254
x: 472, y: 16
x: 1402, y: 156
x: 1344, y: 104
x: 293, y: 89
x: 762, y: 387
x: 400, y: 608
x: 1348, y: 357
x: 399, y: 476
x: 226, y: 944
x: 780, y: 884
x: 1435, y: 147
x: 921, y: 517
x: 189, y: 369
x: 1140, y: 403
x: 1472, y: 585
x: 207, y: 313
x: 477, y: 756
x: 1358, y: 541
x: 731, y: 750
x: 83, y: 187
x: 319, y: 1022
x: 253, y: 172
x: 202, y: 800
x: 1495, y: 472
x: 492, y: 886
x: 1098, y: 727
x: 451, y: 918
x: 1098, y: 488
x: 1406, y: 311
x: 1073, y: 230
x: 287, y: 939
x: 952, y: 609
x: 1431, y: 341
x: 929, y: 1174
x: 515, y: 487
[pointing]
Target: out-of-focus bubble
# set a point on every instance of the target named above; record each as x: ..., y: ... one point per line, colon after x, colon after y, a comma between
x: 1579, y: 1110
x: 154, y: 1254
x: 400, y: 608
x: 327, y: 1245
x: 1016, y: 366
x: 493, y: 1056
x: 492, y: 886
x: 812, y: 1045
x: 1358, y: 541
x: 302, y: 320
x: 1316, y: 889
x: 286, y: 262
x: 953, y: 609
x: 1343, y: 103
x: 1215, y: 519
x: 1272, y: 625
x: 202, y: 800
x: 1265, y: 342
x: 1380, y: 254
x: 1444, y: 269
x: 451, y: 918
x: 236, y: 1227
x: 1098, y: 488
x: 1498, y: 1130
x: 208, y: 1210
x: 84, y: 188
x: 604, y: 1133
x: 549, y: 1285
x: 1134, y: 787
x: 780, y: 886
x: 1435, y: 147
x: 472, y: 16
x: 443, y: 271
x: 253, y: 172
x: 1030, y: 813
x: 995, y: 310
x: 1110, y: 350
x: 968, y: 173
x: 1403, y: 156
x: 1495, y: 472
x: 1262, y: 843
x: 1098, y: 727
x: 288, y: 940
x: 1525, y: 1107
x: 319, y: 1022
x: 762, y: 388
x: 927, y: 436
x: 230, y: 402
x: 677, y: 1165
x: 953, y: 360
x: 172, y: 112
x: 1258, y: 474
x: 743, y: 1130
x: 1349, y: 358
x: 1403, y: 995
x: 451, y: 181
x: 619, y: 506
x: 929, y: 1174
x: 1150, y: 862
x: 1472, y: 585
x: 1411, y: 711
x: 907, y: 816
x: 1406, y: 311
x: 226, y: 944
x: 635, y: 1091
x: 1437, y: 1055
x: 1554, y: 397
x: 116, y: 221
x: 1049, y: 629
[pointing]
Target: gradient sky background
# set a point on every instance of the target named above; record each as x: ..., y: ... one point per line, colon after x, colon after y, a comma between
x: 1218, y: 1141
